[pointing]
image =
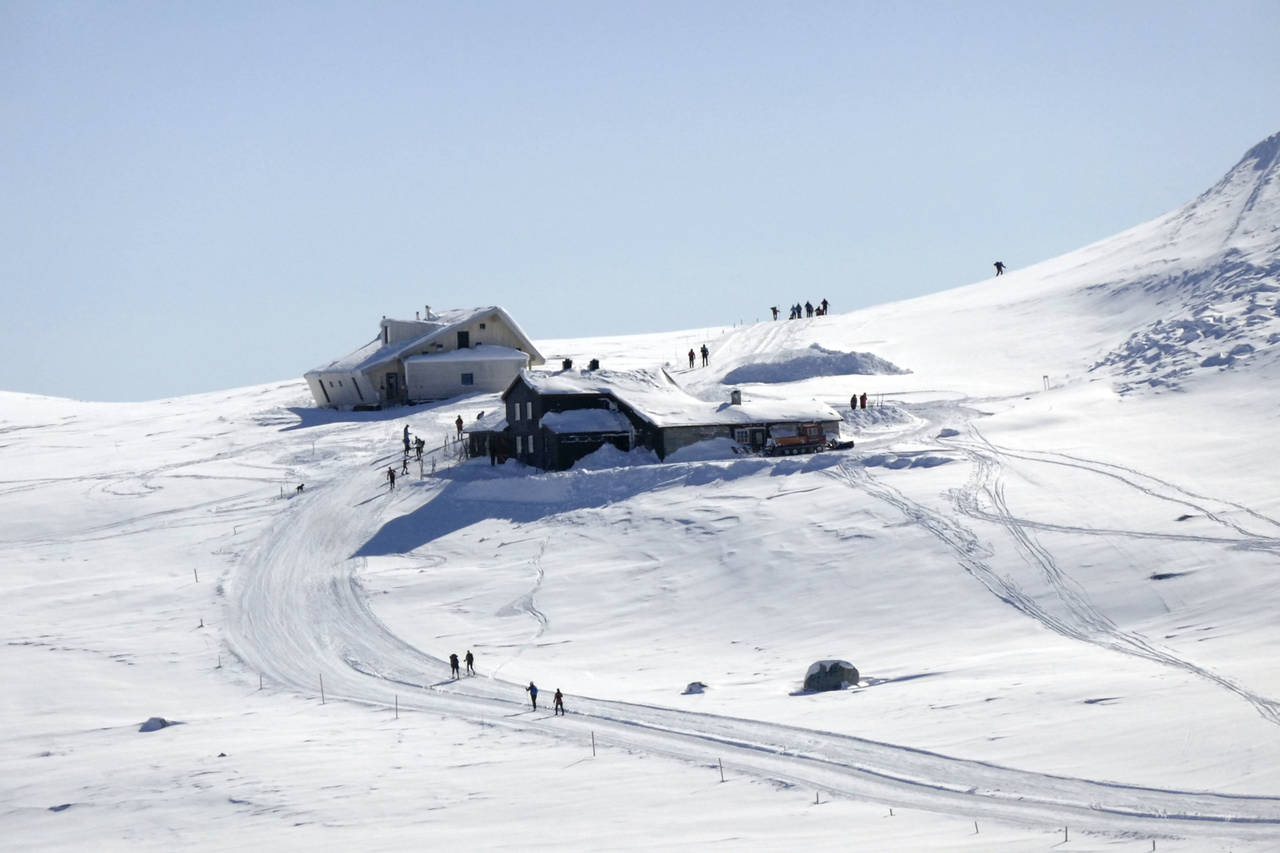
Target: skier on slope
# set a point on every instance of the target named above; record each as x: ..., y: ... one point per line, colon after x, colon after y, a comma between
x: 999, y: 265
x: 532, y: 690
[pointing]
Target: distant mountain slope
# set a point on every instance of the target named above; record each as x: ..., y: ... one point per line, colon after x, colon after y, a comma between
x: 1185, y: 295
x: 1216, y: 280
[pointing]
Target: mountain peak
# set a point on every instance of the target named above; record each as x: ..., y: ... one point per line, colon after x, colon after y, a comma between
x: 1262, y: 157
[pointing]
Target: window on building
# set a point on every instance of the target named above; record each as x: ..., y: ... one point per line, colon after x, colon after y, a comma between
x: 468, y: 379
x: 528, y: 410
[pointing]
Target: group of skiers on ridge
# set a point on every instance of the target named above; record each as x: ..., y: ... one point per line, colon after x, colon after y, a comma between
x: 706, y: 353
x: 808, y: 309
x: 532, y: 689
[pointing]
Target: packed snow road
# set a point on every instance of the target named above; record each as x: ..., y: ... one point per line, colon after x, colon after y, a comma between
x: 297, y: 613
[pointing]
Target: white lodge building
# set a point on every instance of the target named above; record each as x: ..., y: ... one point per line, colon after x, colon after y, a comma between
x: 455, y: 352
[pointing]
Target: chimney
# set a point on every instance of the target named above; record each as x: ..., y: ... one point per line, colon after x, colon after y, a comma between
x: 567, y: 364
x: 594, y: 364
x: 735, y: 397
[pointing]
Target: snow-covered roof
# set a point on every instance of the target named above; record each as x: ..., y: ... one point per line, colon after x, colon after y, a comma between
x: 495, y: 421
x: 655, y: 397
x: 586, y: 420
x: 440, y: 325
x: 484, y: 352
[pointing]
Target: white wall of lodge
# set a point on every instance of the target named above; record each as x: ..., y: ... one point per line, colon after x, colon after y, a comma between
x: 341, y: 389
x: 435, y: 378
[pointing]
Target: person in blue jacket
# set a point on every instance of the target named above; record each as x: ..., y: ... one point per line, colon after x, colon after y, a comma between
x: 532, y: 690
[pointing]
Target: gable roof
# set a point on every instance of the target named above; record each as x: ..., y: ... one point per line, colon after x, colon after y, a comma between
x: 439, y: 327
x: 655, y: 397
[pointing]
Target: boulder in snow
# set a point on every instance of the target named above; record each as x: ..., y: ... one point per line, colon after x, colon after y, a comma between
x: 154, y: 724
x: 830, y: 675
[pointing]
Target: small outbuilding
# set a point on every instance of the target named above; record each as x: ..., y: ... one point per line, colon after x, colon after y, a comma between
x: 830, y: 675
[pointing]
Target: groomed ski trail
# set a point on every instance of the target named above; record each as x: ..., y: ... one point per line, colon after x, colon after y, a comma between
x: 296, y: 611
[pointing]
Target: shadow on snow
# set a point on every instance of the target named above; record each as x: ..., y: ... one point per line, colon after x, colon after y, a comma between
x: 477, y: 492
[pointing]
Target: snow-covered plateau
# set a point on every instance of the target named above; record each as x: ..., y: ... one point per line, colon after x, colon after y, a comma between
x: 1053, y: 555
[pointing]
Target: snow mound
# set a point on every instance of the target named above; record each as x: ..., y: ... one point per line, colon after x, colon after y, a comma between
x: 608, y: 456
x: 888, y: 415
x: 707, y: 451
x: 905, y: 460
x: 794, y: 365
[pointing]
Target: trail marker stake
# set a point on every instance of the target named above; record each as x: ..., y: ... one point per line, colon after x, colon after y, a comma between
x: 322, y: 688
x: 721, y: 763
x: 593, y: 743
x: 259, y: 681
x: 196, y: 572
x: 397, y: 706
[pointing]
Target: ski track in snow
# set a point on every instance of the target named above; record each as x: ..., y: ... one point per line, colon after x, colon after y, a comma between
x: 296, y: 612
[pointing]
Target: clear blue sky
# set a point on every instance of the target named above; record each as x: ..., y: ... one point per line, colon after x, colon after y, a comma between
x: 199, y: 196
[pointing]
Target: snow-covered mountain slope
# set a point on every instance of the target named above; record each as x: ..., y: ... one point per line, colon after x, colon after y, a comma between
x: 1055, y: 573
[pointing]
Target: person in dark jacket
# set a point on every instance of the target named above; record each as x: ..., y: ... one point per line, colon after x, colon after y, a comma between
x: 559, y: 708
x: 691, y: 356
x: 705, y: 352
x: 471, y: 662
x: 391, y: 478
x: 458, y: 424
x: 999, y: 267
x: 453, y: 664
x: 863, y: 399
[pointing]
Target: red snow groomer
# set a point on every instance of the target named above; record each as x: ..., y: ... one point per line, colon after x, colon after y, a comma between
x: 793, y: 439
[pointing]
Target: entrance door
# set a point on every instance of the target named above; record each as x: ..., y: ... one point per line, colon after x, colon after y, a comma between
x: 393, y: 387
x: 464, y: 340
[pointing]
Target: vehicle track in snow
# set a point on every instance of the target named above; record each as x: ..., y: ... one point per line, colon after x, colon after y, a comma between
x: 296, y: 611
x: 1085, y: 620
x: 1078, y: 617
